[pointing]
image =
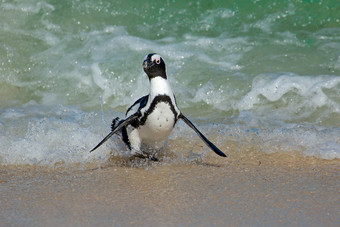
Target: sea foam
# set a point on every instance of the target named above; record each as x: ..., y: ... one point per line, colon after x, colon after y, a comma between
x: 61, y: 135
x: 47, y: 135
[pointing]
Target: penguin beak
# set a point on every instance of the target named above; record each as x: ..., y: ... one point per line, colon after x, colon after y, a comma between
x: 145, y: 64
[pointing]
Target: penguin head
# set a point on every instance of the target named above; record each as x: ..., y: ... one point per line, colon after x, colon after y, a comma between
x: 154, y: 66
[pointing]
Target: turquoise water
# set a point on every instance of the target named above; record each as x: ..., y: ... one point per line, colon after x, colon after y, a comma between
x: 254, y: 72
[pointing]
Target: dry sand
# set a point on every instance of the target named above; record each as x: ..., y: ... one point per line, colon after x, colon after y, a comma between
x: 254, y: 190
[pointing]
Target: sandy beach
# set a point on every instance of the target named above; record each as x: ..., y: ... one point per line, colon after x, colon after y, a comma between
x: 254, y: 190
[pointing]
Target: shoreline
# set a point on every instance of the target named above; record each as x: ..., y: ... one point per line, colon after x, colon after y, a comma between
x: 255, y: 190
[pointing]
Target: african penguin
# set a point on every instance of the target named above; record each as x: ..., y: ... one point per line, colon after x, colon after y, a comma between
x: 150, y: 120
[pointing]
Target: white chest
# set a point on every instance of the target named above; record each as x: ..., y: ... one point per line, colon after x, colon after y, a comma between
x: 159, y: 123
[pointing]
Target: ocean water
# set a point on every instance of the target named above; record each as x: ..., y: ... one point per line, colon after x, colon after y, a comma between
x: 259, y: 74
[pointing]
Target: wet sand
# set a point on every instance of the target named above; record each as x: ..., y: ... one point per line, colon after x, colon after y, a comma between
x: 250, y: 190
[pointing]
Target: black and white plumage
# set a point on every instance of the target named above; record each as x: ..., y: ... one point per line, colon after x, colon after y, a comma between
x: 150, y: 120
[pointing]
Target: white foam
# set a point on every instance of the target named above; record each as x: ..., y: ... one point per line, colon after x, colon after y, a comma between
x: 270, y: 19
x: 269, y: 136
x: 28, y: 7
x: 60, y: 135
x: 48, y: 135
x: 100, y: 67
x: 296, y: 92
x: 310, y: 141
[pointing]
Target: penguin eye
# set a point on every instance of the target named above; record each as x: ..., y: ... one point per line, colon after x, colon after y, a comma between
x: 158, y: 61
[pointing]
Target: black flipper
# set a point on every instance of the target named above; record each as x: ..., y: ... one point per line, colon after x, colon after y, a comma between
x: 206, y: 141
x: 121, y: 124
